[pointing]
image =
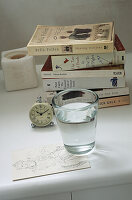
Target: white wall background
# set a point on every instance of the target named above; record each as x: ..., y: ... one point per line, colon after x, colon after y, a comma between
x: 18, y: 18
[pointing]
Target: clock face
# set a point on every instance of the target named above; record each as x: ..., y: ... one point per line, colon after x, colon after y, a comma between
x: 41, y: 114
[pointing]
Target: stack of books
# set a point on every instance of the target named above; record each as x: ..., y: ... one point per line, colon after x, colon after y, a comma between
x: 87, y: 56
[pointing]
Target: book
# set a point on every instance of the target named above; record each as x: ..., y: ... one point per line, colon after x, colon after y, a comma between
x: 84, y: 82
x: 114, y: 101
x: 107, y: 71
x: 102, y: 93
x: 75, y: 39
x: 71, y: 62
x: 103, y: 102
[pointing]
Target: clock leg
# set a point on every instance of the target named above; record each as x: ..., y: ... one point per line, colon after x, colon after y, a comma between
x: 33, y: 125
x: 51, y: 123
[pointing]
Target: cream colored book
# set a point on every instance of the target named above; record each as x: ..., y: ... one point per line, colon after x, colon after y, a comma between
x: 75, y: 39
x: 54, y: 84
x: 83, y: 73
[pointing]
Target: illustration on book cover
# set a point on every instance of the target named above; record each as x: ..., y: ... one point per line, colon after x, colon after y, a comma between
x: 90, y: 32
x: 101, y: 33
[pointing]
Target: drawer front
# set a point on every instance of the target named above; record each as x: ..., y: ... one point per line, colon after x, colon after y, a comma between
x: 119, y: 192
x: 61, y: 196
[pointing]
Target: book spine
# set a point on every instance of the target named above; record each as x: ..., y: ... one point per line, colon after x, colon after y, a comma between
x: 114, y: 101
x: 119, y: 57
x: 110, y: 92
x: 88, y: 83
x: 71, y: 62
x: 35, y: 50
x: 102, y: 93
x: 82, y: 73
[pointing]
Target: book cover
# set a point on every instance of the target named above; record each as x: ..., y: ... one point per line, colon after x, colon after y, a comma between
x: 106, y: 71
x: 75, y: 39
x: 87, y: 83
x: 114, y: 101
x: 102, y: 93
x: 71, y: 62
x: 119, y: 52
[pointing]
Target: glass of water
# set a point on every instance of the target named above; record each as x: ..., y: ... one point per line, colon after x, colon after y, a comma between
x: 76, y: 114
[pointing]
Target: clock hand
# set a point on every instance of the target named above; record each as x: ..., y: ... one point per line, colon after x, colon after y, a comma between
x: 42, y: 112
x: 38, y: 112
x: 45, y: 111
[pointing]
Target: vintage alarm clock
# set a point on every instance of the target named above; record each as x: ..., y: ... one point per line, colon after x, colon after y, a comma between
x: 41, y: 114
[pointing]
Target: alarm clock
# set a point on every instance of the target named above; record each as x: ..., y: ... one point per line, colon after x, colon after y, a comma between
x: 41, y: 114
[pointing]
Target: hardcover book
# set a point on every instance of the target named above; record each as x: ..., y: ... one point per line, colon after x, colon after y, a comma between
x: 75, y: 39
x: 78, y: 61
x: 105, y: 71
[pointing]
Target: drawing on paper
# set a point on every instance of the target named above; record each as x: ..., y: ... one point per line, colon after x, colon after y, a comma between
x: 45, y: 160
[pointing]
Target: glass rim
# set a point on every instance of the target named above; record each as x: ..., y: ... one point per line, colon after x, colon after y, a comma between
x: 70, y: 90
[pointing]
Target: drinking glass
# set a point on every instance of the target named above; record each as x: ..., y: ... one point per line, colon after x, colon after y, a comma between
x: 76, y: 114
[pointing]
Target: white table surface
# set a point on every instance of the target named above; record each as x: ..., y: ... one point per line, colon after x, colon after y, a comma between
x: 111, y: 163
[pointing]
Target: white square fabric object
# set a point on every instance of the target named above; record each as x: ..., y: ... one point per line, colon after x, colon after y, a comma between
x: 19, y: 69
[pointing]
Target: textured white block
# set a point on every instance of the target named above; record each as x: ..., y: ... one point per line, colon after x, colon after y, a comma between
x: 19, y: 69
